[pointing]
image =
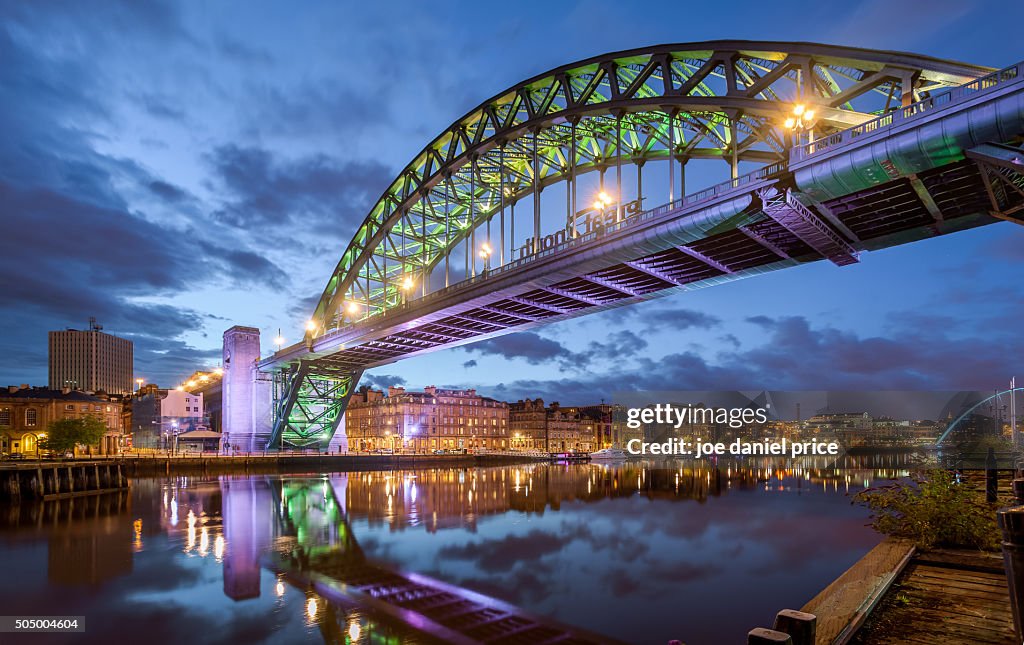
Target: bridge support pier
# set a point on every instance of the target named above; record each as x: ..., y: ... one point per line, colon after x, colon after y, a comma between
x: 245, y: 390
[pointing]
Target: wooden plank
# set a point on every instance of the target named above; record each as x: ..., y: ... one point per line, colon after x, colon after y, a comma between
x: 844, y: 605
x: 964, y: 588
x: 956, y: 575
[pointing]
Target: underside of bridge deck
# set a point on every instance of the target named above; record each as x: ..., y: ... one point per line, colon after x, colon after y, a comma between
x: 890, y: 214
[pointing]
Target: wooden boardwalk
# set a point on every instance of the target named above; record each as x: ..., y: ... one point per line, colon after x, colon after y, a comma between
x: 944, y: 596
x: 843, y: 606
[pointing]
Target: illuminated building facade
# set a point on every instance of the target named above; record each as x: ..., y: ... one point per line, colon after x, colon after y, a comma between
x: 434, y: 419
x: 554, y: 428
x: 25, y: 413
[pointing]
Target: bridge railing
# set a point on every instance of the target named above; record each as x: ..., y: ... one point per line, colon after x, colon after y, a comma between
x: 707, y: 194
x: 931, y: 104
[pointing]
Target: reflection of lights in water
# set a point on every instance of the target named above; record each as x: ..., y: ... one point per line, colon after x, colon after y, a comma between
x: 412, y: 495
x: 218, y: 548
x: 279, y: 588
x: 517, y: 482
x: 191, y: 531
x: 354, y: 630
x: 204, y: 542
x: 469, y: 496
x: 311, y: 608
x: 174, y: 512
x: 137, y: 526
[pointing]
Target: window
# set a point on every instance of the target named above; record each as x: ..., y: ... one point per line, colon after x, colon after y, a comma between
x: 69, y: 407
x: 5, y: 417
x: 31, y: 416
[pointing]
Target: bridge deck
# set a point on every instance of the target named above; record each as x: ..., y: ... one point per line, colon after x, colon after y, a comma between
x: 887, y: 215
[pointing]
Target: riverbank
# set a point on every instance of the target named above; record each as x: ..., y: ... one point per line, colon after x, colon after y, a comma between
x: 299, y: 463
x: 898, y: 593
x: 156, y: 465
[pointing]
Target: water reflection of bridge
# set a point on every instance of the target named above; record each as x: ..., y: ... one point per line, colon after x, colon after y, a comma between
x: 311, y: 545
x: 305, y: 525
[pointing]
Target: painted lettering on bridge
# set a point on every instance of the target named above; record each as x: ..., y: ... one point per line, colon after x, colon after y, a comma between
x: 586, y: 221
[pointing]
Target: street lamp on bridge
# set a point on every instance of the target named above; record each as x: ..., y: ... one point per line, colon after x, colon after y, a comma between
x: 279, y: 339
x: 485, y: 253
x: 802, y: 119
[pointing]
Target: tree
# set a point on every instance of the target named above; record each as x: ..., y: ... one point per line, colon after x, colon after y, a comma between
x: 65, y: 434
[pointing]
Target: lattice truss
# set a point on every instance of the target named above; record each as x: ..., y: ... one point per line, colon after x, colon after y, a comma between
x: 1002, y: 170
x: 721, y: 101
x: 310, y: 398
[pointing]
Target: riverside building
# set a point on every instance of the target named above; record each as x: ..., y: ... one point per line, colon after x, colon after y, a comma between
x: 26, y: 412
x: 434, y: 419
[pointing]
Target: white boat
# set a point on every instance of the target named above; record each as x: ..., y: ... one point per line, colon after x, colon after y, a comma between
x: 609, y: 453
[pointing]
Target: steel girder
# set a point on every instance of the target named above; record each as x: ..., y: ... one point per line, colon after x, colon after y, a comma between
x: 310, y: 398
x: 1002, y: 170
x: 799, y: 219
x: 719, y: 100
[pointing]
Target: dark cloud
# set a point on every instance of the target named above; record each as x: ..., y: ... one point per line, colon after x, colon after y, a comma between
x: 381, y: 381
x: 75, y: 245
x: 167, y: 191
x: 470, y: 363
x: 315, y: 190
x: 794, y: 354
x: 659, y: 315
x: 526, y: 345
x: 537, y: 350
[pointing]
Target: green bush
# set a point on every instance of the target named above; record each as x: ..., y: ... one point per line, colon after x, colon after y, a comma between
x: 933, y: 510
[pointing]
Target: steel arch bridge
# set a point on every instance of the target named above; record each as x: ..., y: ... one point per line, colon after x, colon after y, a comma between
x: 850, y: 150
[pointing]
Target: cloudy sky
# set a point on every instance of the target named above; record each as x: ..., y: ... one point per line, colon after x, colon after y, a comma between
x: 175, y: 169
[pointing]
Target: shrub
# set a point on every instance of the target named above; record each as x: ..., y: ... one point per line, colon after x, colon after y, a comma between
x: 933, y: 510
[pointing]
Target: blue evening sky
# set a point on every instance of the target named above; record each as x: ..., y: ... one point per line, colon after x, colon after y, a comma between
x: 175, y: 169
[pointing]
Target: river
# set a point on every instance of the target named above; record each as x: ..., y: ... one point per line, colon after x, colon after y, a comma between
x: 642, y: 552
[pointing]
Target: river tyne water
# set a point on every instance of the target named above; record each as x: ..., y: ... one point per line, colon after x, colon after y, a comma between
x: 642, y: 552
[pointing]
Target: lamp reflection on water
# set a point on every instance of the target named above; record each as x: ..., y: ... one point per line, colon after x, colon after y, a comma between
x: 191, y: 542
